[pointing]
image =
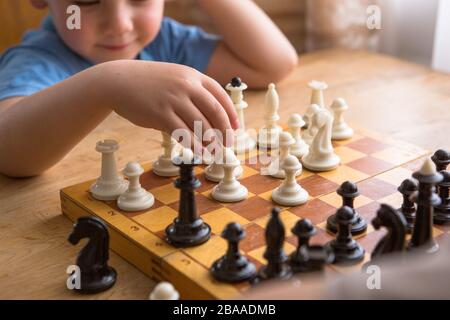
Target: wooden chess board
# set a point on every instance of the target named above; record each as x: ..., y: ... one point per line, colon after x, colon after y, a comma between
x: 376, y: 163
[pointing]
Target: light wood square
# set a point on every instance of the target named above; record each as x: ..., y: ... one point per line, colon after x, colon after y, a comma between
x: 248, y: 172
x: 395, y: 200
x: 219, y: 218
x: 158, y: 219
x: 395, y: 176
x: 167, y: 194
x: 344, y: 173
x: 395, y: 155
x: 208, y: 252
x: 288, y: 218
x: 348, y: 155
x: 305, y: 174
x: 258, y: 254
x: 347, y: 141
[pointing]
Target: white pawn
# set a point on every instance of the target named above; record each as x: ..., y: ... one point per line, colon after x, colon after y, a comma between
x: 295, y: 124
x: 341, y: 129
x: 268, y: 135
x: 163, y: 166
x: 229, y: 189
x: 243, y: 142
x: 317, y: 88
x: 290, y: 193
x: 321, y: 156
x: 215, y: 171
x: 285, y: 142
x: 109, y: 185
x: 310, y: 132
x: 164, y: 291
x: 135, y: 198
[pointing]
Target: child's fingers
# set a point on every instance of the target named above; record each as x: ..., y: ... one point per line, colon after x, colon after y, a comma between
x: 190, y: 114
x: 181, y: 132
x: 214, y: 112
x: 224, y: 99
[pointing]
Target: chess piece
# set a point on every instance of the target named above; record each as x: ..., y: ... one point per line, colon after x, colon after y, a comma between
x: 163, y: 166
x: 233, y: 267
x: 394, y: 240
x: 309, y: 134
x: 300, y: 147
x: 442, y: 211
x: 276, y: 258
x: 408, y: 209
x: 345, y: 248
x: 321, y: 156
x: 164, y: 291
x: 188, y: 229
x: 268, y: 135
x: 441, y: 159
x: 95, y: 274
x: 229, y: 189
x: 317, y: 87
x: 135, y: 198
x: 348, y: 192
x: 341, y: 129
x: 308, y: 258
x: 242, y: 140
x: 290, y: 193
x: 426, y: 199
x: 275, y: 168
x: 109, y: 185
x: 215, y: 171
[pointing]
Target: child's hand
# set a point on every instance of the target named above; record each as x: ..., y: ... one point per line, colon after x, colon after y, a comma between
x: 167, y: 97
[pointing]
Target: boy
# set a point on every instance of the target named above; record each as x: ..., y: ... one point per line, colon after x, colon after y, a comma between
x: 59, y: 84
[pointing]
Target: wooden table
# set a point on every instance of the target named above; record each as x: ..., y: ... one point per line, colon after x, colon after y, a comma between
x: 404, y: 100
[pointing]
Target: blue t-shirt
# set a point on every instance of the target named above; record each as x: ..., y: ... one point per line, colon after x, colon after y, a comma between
x: 42, y: 59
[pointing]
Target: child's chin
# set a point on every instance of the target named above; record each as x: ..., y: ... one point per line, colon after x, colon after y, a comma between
x: 113, y: 57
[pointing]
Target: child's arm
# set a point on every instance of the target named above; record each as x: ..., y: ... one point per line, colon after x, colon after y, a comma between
x: 37, y: 131
x: 252, y: 47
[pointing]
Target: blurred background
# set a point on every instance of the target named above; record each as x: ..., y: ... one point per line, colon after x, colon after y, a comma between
x: 415, y: 30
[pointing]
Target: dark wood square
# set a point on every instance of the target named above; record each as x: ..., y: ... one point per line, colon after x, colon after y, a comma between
x: 315, y: 210
x: 317, y: 185
x: 252, y: 208
x: 367, y: 145
x: 370, y: 165
x: 375, y: 189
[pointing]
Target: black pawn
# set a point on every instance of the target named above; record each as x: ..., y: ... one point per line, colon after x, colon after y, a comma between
x: 426, y: 199
x: 308, y: 258
x: 441, y: 159
x: 188, y: 229
x: 348, y: 191
x: 233, y: 267
x: 345, y: 248
x: 408, y: 208
x: 442, y: 211
x: 236, y: 82
x: 276, y: 258
x: 95, y: 274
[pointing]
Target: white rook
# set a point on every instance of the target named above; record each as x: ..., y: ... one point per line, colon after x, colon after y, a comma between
x: 109, y: 185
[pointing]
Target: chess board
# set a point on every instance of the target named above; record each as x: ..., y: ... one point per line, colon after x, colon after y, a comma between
x: 376, y: 163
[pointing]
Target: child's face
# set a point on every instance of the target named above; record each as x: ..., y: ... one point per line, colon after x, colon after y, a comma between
x: 110, y: 29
